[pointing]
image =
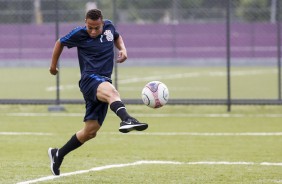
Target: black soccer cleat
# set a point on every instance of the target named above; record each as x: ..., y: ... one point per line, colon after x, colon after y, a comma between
x: 55, y: 161
x: 132, y: 124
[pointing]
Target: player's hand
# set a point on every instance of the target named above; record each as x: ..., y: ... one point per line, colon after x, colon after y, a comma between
x: 53, y: 70
x: 122, y: 56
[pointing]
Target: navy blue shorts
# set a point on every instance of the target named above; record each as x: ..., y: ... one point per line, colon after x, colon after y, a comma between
x: 95, y: 109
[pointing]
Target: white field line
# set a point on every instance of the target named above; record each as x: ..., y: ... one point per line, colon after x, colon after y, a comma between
x: 198, y: 133
x: 175, y: 76
x: 195, y: 75
x: 178, y: 88
x: 63, y: 87
x: 142, y: 162
x: 160, y: 77
x: 152, y: 115
x: 271, y: 181
x: 71, y: 87
x: 24, y: 114
x: 163, y: 133
x: 26, y: 133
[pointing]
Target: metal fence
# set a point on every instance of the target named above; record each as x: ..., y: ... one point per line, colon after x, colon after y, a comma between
x: 186, y: 33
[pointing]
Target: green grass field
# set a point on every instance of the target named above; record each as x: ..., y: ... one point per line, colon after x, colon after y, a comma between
x: 183, y: 82
x: 184, y: 144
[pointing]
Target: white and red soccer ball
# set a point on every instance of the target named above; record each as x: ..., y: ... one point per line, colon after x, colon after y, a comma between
x: 155, y: 94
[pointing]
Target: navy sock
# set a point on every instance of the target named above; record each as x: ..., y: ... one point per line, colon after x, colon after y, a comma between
x: 71, y: 145
x: 120, y: 110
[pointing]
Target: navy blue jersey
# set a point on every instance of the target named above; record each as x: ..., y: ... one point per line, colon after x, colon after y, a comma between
x: 95, y: 55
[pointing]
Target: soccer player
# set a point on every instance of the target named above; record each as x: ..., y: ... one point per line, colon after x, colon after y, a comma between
x: 95, y: 48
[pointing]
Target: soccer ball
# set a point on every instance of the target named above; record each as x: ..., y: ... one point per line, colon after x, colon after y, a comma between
x: 155, y: 94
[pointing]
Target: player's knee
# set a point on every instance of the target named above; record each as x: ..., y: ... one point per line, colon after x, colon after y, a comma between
x: 90, y: 130
x: 111, y: 95
x: 114, y: 96
x: 106, y: 92
x: 115, y: 93
x: 91, y: 134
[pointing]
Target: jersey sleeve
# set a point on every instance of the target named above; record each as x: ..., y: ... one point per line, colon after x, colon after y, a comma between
x: 71, y: 39
x: 116, y: 35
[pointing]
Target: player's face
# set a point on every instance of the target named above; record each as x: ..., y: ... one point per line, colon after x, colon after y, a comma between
x: 94, y: 27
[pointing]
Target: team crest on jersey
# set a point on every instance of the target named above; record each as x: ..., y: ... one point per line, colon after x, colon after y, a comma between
x: 109, y: 35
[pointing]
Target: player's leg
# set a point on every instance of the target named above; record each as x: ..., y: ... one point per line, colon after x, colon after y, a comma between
x: 106, y: 92
x: 94, y: 116
x: 89, y: 131
x: 56, y: 155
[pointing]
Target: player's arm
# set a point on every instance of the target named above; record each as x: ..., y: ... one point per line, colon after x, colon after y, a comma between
x: 122, y: 55
x: 58, y: 48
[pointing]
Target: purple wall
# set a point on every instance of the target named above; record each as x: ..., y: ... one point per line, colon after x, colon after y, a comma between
x: 149, y: 41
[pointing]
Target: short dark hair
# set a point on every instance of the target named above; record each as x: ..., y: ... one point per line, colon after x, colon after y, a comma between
x: 94, y: 14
